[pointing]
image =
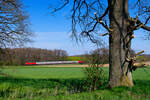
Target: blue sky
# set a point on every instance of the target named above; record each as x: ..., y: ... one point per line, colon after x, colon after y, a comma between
x: 53, y: 32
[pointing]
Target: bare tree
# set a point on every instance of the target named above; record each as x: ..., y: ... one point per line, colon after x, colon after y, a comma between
x: 101, y: 56
x: 113, y: 16
x: 18, y: 56
x: 14, y: 24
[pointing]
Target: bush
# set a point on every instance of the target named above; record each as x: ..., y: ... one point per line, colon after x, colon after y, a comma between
x: 94, y: 73
x: 94, y: 77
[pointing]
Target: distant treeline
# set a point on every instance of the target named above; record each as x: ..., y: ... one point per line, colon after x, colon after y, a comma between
x: 101, y: 56
x: 18, y: 56
x: 97, y: 56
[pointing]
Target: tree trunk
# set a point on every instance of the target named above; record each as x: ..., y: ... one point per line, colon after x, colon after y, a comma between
x: 119, y: 44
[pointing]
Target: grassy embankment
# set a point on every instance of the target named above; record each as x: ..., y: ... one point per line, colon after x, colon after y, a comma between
x: 36, y: 83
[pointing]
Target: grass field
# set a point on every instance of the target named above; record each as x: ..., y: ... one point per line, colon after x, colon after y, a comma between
x: 65, y: 83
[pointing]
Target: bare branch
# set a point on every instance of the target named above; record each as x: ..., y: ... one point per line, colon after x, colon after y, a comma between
x: 135, y: 24
x: 143, y: 26
x: 13, y: 24
x: 101, y: 22
x: 147, y: 20
x: 91, y: 30
x: 61, y: 7
x: 83, y: 19
x: 105, y: 13
x: 105, y: 34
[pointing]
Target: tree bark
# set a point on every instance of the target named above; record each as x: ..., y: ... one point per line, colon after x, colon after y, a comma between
x: 119, y: 44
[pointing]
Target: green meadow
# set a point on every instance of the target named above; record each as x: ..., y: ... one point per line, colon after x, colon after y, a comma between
x: 44, y: 83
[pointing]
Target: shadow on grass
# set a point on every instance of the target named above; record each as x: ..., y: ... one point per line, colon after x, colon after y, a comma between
x: 74, y: 85
x: 141, y: 87
x: 9, y: 85
x: 64, y: 85
x: 79, y: 84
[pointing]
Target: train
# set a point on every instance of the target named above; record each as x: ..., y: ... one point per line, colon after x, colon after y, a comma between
x: 54, y: 62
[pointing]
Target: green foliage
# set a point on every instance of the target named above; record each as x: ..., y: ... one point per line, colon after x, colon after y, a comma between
x: 94, y: 73
x: 78, y: 58
x: 33, y: 83
x: 94, y: 77
x: 141, y: 58
x: 74, y: 58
